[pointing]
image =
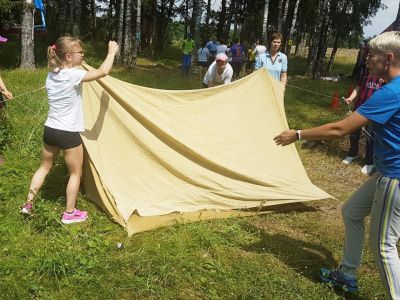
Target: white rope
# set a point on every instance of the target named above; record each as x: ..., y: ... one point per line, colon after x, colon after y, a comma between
x: 27, y: 107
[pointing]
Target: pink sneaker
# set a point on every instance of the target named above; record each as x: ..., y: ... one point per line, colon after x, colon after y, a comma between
x: 3, y: 39
x: 75, y: 217
x: 27, y: 208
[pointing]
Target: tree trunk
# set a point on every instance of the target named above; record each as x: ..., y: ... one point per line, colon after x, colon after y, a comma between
x: 232, y: 11
x: 76, y: 18
x: 221, y: 23
x: 284, y: 17
x: 27, y: 36
x: 316, y: 39
x: 279, y: 24
x: 322, y: 46
x: 63, y: 17
x: 127, y: 31
x: 292, y: 25
x: 265, y: 21
x: 186, y: 17
x: 301, y: 45
x: 333, y: 54
x: 208, y: 19
x: 92, y: 20
x: 196, y: 20
x: 153, y: 38
x: 120, y: 31
x: 136, y: 44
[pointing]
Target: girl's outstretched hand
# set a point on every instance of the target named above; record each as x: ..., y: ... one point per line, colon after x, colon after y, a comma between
x: 113, y: 47
x: 286, y: 137
x: 7, y: 94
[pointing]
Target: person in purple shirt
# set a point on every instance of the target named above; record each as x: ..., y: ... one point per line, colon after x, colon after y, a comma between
x: 236, y: 52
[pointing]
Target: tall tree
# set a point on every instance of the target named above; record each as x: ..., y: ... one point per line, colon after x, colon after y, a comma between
x: 196, y: 20
x: 208, y: 12
x: 280, y: 13
x: 127, y: 31
x: 221, y: 21
x: 76, y: 17
x: 27, y: 36
x: 92, y: 20
x: 120, y: 30
x: 292, y: 24
x: 137, y: 41
x: 265, y: 21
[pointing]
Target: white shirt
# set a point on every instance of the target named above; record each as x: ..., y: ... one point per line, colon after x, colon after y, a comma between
x: 212, y: 74
x: 260, y: 49
x: 64, y: 92
x: 222, y: 48
x: 203, y: 54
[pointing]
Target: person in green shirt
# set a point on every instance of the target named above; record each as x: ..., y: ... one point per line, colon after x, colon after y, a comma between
x: 187, y: 47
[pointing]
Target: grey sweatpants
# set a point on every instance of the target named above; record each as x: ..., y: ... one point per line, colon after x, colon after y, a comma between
x: 380, y: 197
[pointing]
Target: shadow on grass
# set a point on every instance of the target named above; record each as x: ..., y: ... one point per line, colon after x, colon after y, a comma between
x: 305, y: 258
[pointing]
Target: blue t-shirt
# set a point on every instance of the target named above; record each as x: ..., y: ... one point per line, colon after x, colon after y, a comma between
x: 278, y: 66
x: 383, y: 109
x: 212, y: 46
x: 260, y: 61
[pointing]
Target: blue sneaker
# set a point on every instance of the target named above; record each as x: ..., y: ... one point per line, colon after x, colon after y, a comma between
x: 346, y: 282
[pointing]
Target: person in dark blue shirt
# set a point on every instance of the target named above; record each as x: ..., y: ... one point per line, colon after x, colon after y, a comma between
x: 380, y: 195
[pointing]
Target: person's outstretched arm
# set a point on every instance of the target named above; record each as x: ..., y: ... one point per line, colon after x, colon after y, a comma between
x: 353, y: 95
x: 324, y: 132
x: 4, y: 91
x: 106, y: 66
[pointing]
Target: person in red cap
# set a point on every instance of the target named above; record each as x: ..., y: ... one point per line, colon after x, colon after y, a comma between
x: 219, y: 72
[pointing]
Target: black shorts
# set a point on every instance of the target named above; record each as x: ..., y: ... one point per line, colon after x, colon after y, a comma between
x: 61, y: 138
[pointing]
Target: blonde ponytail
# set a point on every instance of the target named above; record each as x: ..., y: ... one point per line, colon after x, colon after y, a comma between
x: 57, y: 52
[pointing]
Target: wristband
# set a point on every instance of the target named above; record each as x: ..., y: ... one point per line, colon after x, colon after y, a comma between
x: 298, y: 135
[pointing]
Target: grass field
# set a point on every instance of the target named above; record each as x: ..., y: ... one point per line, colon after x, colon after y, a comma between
x: 272, y: 256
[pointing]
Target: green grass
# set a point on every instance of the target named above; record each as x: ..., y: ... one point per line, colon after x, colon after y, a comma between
x: 272, y: 256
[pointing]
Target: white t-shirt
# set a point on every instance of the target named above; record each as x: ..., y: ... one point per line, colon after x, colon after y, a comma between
x: 64, y: 92
x: 203, y: 54
x: 212, y: 74
x: 222, y: 48
x: 260, y: 49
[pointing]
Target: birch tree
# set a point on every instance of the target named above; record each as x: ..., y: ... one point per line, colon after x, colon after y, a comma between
x: 292, y: 25
x: 265, y: 21
x: 127, y: 31
x: 120, y: 30
x: 27, y: 36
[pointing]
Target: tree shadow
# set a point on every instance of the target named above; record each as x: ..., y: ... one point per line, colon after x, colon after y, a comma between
x: 305, y: 258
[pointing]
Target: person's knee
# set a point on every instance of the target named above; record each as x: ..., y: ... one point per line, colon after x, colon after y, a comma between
x: 349, y: 215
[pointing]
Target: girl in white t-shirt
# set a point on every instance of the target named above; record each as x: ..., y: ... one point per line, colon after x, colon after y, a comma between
x: 65, y: 119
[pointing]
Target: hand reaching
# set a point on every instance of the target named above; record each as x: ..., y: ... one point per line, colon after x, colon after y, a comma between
x: 286, y: 137
x: 113, y: 47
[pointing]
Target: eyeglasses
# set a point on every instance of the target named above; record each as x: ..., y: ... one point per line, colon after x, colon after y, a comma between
x: 79, y: 52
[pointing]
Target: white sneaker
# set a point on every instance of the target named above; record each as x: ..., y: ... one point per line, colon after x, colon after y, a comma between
x: 348, y: 160
x: 367, y: 169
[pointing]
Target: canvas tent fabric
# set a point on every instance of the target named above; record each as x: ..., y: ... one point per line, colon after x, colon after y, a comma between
x: 156, y: 156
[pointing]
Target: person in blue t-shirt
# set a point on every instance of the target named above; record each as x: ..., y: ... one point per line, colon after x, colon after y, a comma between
x: 275, y: 61
x: 212, y: 47
x: 380, y: 195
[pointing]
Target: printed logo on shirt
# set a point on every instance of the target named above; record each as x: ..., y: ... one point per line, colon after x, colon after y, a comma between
x: 373, y: 85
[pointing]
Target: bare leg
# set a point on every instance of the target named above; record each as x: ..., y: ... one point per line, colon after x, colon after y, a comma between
x: 49, y: 154
x: 74, y: 160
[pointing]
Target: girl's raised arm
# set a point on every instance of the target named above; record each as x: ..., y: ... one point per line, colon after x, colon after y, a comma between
x: 106, y: 66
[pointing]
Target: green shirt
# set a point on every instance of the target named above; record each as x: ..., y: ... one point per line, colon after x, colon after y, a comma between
x: 188, y: 46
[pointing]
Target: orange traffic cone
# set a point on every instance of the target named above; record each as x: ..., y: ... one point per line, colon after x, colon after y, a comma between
x: 335, y: 104
x: 351, y: 88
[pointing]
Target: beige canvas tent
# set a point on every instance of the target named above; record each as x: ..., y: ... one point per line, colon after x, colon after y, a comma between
x: 157, y: 156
